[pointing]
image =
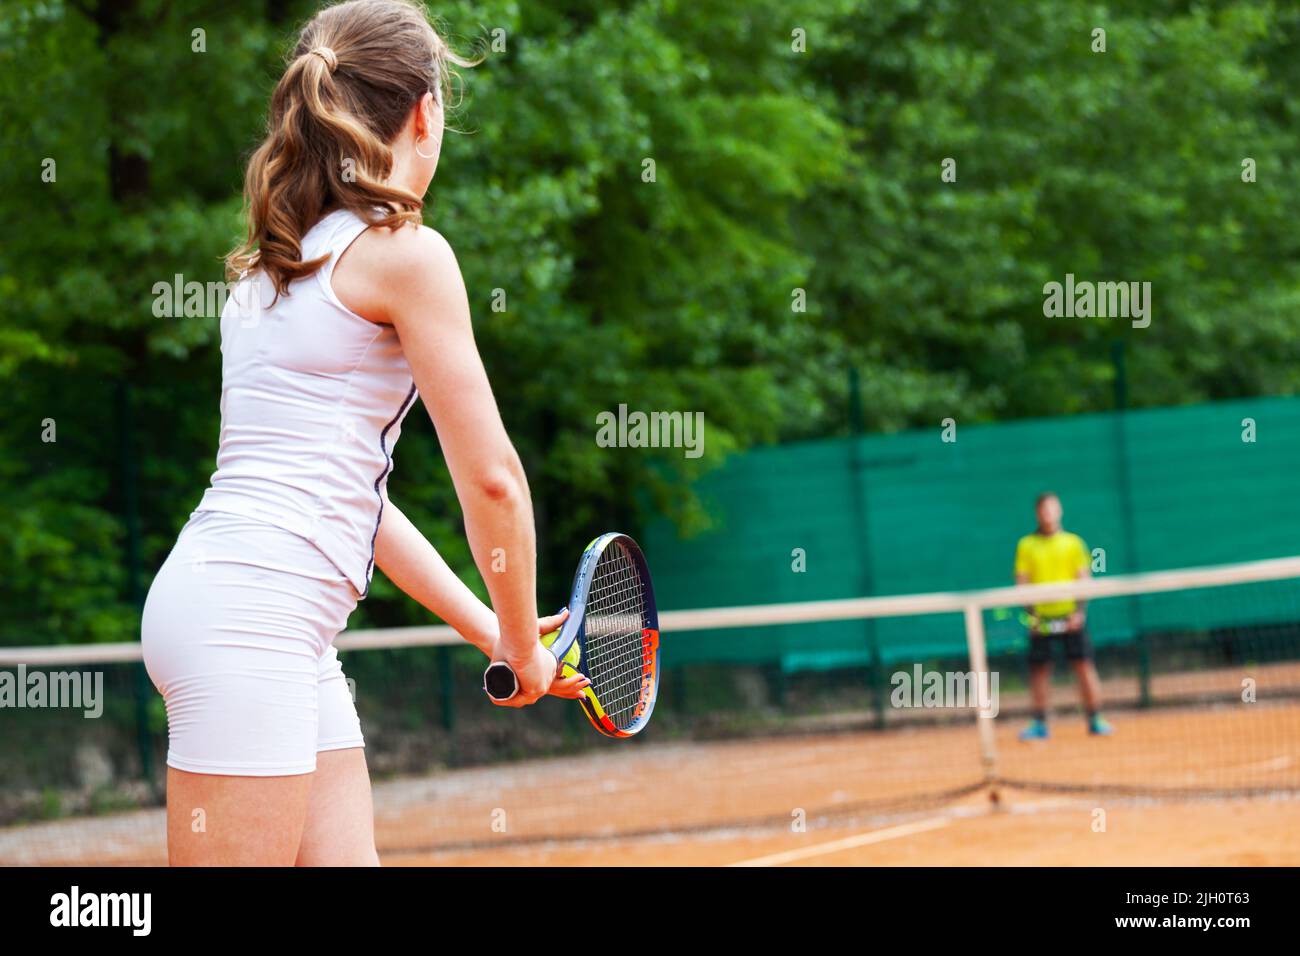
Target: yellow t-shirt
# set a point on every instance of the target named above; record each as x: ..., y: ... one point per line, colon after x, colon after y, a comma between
x: 1055, y: 557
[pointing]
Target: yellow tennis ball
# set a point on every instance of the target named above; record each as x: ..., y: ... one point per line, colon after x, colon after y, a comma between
x: 574, y: 657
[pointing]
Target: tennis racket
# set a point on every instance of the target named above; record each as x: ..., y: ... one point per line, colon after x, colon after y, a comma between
x: 1049, y: 625
x: 611, y: 636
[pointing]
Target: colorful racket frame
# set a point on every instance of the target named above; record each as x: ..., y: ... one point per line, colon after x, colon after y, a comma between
x: 569, y: 643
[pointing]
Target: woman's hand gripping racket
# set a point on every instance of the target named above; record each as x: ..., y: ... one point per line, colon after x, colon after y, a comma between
x: 611, y: 636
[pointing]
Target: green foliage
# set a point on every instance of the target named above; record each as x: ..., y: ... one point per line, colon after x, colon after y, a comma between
x: 1123, y: 165
x: 775, y: 170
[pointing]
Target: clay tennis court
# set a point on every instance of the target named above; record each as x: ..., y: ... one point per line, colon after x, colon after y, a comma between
x: 912, y: 796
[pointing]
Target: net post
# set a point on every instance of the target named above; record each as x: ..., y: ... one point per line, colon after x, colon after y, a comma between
x: 975, y: 647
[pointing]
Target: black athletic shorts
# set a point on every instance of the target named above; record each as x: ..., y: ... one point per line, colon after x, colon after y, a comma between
x: 1077, y: 646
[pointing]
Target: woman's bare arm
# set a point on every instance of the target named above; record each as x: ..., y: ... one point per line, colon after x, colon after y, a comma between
x: 409, y: 278
x: 415, y: 566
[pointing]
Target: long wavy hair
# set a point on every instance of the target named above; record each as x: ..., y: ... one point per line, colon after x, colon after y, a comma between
x: 355, y: 73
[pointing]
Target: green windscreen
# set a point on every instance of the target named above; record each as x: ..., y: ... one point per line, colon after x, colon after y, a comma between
x: 911, y: 513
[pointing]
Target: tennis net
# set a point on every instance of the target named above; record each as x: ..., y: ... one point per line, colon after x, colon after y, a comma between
x: 1199, y: 670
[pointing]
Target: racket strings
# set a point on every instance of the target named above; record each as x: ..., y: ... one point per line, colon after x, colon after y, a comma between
x: 613, y: 623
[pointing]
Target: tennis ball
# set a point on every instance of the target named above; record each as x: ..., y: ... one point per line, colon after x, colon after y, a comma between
x: 574, y: 656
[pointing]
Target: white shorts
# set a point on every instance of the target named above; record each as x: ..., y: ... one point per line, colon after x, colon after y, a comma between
x: 238, y: 635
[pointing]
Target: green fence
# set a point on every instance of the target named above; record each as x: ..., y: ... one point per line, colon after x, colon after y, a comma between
x: 909, y: 513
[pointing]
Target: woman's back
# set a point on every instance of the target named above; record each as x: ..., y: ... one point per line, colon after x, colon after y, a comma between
x: 312, y: 401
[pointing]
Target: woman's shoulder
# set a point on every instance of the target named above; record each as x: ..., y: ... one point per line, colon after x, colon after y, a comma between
x: 409, y: 258
x: 409, y: 244
x: 389, y: 266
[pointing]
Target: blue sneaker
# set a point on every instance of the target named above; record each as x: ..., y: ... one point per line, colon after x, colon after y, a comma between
x: 1099, y: 726
x: 1037, y: 730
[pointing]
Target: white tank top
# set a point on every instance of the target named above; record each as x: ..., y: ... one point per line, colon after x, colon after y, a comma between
x: 312, y: 402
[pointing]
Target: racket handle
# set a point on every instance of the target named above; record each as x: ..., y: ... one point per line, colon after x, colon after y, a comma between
x: 499, y: 681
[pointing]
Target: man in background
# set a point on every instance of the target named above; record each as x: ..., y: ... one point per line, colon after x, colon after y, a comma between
x: 1052, y: 554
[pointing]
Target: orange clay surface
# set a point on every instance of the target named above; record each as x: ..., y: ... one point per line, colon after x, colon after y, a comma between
x: 1032, y: 831
x: 908, y: 796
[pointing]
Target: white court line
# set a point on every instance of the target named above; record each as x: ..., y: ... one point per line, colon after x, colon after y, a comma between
x: 1277, y: 763
x: 848, y: 843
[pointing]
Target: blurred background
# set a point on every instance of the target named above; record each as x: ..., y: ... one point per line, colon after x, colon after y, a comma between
x: 798, y: 271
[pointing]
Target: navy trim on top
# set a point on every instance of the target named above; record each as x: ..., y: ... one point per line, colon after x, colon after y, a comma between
x: 388, y: 465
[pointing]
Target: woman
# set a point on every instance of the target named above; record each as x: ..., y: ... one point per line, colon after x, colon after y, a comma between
x: 346, y: 307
